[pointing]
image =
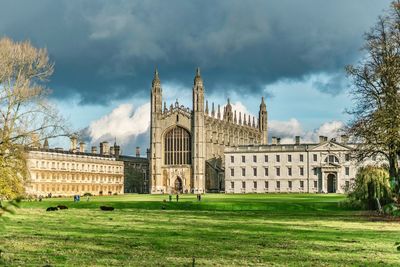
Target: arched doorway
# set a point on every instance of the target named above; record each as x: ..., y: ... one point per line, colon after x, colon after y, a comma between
x: 331, y: 183
x: 178, y: 185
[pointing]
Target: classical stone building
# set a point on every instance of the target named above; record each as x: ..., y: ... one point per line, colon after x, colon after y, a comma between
x: 324, y: 167
x: 187, y: 144
x: 71, y: 172
x: 136, y: 173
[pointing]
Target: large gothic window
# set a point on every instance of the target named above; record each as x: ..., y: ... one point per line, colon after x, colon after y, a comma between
x: 177, y: 147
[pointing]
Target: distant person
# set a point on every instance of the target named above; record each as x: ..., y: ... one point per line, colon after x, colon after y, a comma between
x: 87, y: 198
x: 199, y: 197
x: 40, y: 198
x: 170, y: 197
x: 177, y: 197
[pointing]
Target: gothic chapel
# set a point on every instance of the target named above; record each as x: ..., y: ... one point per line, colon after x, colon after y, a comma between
x: 187, y: 145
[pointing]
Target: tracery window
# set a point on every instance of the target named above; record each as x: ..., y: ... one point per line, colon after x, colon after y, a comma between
x: 177, y: 147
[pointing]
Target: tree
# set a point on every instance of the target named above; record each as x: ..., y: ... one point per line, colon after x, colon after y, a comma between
x: 371, y: 183
x: 376, y: 114
x: 26, y: 116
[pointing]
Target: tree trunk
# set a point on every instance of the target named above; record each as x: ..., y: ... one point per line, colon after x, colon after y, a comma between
x: 394, y: 172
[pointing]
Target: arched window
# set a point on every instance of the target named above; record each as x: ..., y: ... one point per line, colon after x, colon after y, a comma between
x: 331, y: 159
x: 177, y: 147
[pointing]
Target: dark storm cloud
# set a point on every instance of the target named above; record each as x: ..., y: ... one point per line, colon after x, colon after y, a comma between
x: 108, y: 49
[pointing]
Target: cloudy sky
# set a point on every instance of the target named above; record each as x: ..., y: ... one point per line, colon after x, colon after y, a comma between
x: 291, y: 52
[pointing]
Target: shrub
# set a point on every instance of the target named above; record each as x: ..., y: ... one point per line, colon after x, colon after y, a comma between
x: 87, y: 194
x: 371, y: 183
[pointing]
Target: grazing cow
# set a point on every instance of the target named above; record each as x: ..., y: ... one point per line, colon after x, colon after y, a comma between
x: 62, y: 207
x: 51, y: 209
x: 106, y: 208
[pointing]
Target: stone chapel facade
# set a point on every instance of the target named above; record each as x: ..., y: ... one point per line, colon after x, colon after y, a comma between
x: 187, y: 145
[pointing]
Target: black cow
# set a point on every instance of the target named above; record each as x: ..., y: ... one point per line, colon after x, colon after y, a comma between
x: 107, y: 208
x: 62, y: 207
x: 51, y: 209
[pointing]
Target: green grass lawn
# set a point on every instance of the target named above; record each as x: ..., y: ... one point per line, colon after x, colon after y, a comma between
x: 221, y: 230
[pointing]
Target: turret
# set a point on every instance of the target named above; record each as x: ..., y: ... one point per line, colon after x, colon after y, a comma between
x: 228, y: 115
x: 156, y: 94
x: 263, y: 122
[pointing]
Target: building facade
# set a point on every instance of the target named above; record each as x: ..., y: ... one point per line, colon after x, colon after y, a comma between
x: 187, y: 144
x: 58, y: 172
x: 324, y: 167
x: 136, y: 173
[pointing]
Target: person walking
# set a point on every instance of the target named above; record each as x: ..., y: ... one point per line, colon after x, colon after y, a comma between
x: 170, y: 197
x: 177, y: 197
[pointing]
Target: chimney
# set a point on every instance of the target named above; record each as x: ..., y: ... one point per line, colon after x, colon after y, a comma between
x: 297, y: 140
x: 321, y: 138
x: 74, y: 142
x: 137, y: 151
x: 278, y: 141
x: 104, y: 148
x: 344, y: 139
x: 46, y: 144
x: 274, y: 140
x: 82, y: 147
x: 148, y: 153
x: 94, y: 150
x: 112, y: 151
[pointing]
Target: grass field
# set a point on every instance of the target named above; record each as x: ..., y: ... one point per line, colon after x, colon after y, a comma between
x: 221, y: 230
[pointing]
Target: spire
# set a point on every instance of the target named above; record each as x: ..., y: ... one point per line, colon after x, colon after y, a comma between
x: 156, y: 79
x: 165, y: 106
x: 244, y: 119
x: 219, y: 112
x: 197, y: 78
x: 262, y: 105
x: 249, y: 121
x: 46, y: 144
x: 206, y: 107
x: 212, y: 110
x: 254, y: 122
x: 235, y: 118
x: 240, y: 118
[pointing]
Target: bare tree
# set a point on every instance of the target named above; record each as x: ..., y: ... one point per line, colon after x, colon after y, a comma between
x: 26, y: 116
x: 376, y: 112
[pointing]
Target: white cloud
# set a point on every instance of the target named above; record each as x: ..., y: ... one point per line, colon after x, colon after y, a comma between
x: 123, y: 123
x: 287, y: 130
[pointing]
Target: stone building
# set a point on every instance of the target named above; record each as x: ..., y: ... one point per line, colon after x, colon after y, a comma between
x: 136, y: 173
x: 324, y: 167
x: 60, y: 172
x: 187, y: 144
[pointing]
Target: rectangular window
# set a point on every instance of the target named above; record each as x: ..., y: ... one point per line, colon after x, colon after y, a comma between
x: 255, y: 185
x: 315, y: 184
x: 243, y: 172
x: 315, y: 171
x: 278, y: 158
x: 289, y: 171
x: 315, y: 158
x: 266, y: 158
x: 254, y: 158
x: 243, y: 159
x: 347, y: 170
x: 266, y: 171
x: 278, y: 184
x: 301, y: 184
x: 290, y: 184
x: 278, y: 171
x: 301, y: 171
x: 301, y: 157
x: 244, y: 185
x: 347, y: 157
x: 232, y: 172
x: 347, y: 185
x: 232, y: 159
x: 232, y: 185
x: 289, y: 158
x: 266, y: 184
x: 255, y: 171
